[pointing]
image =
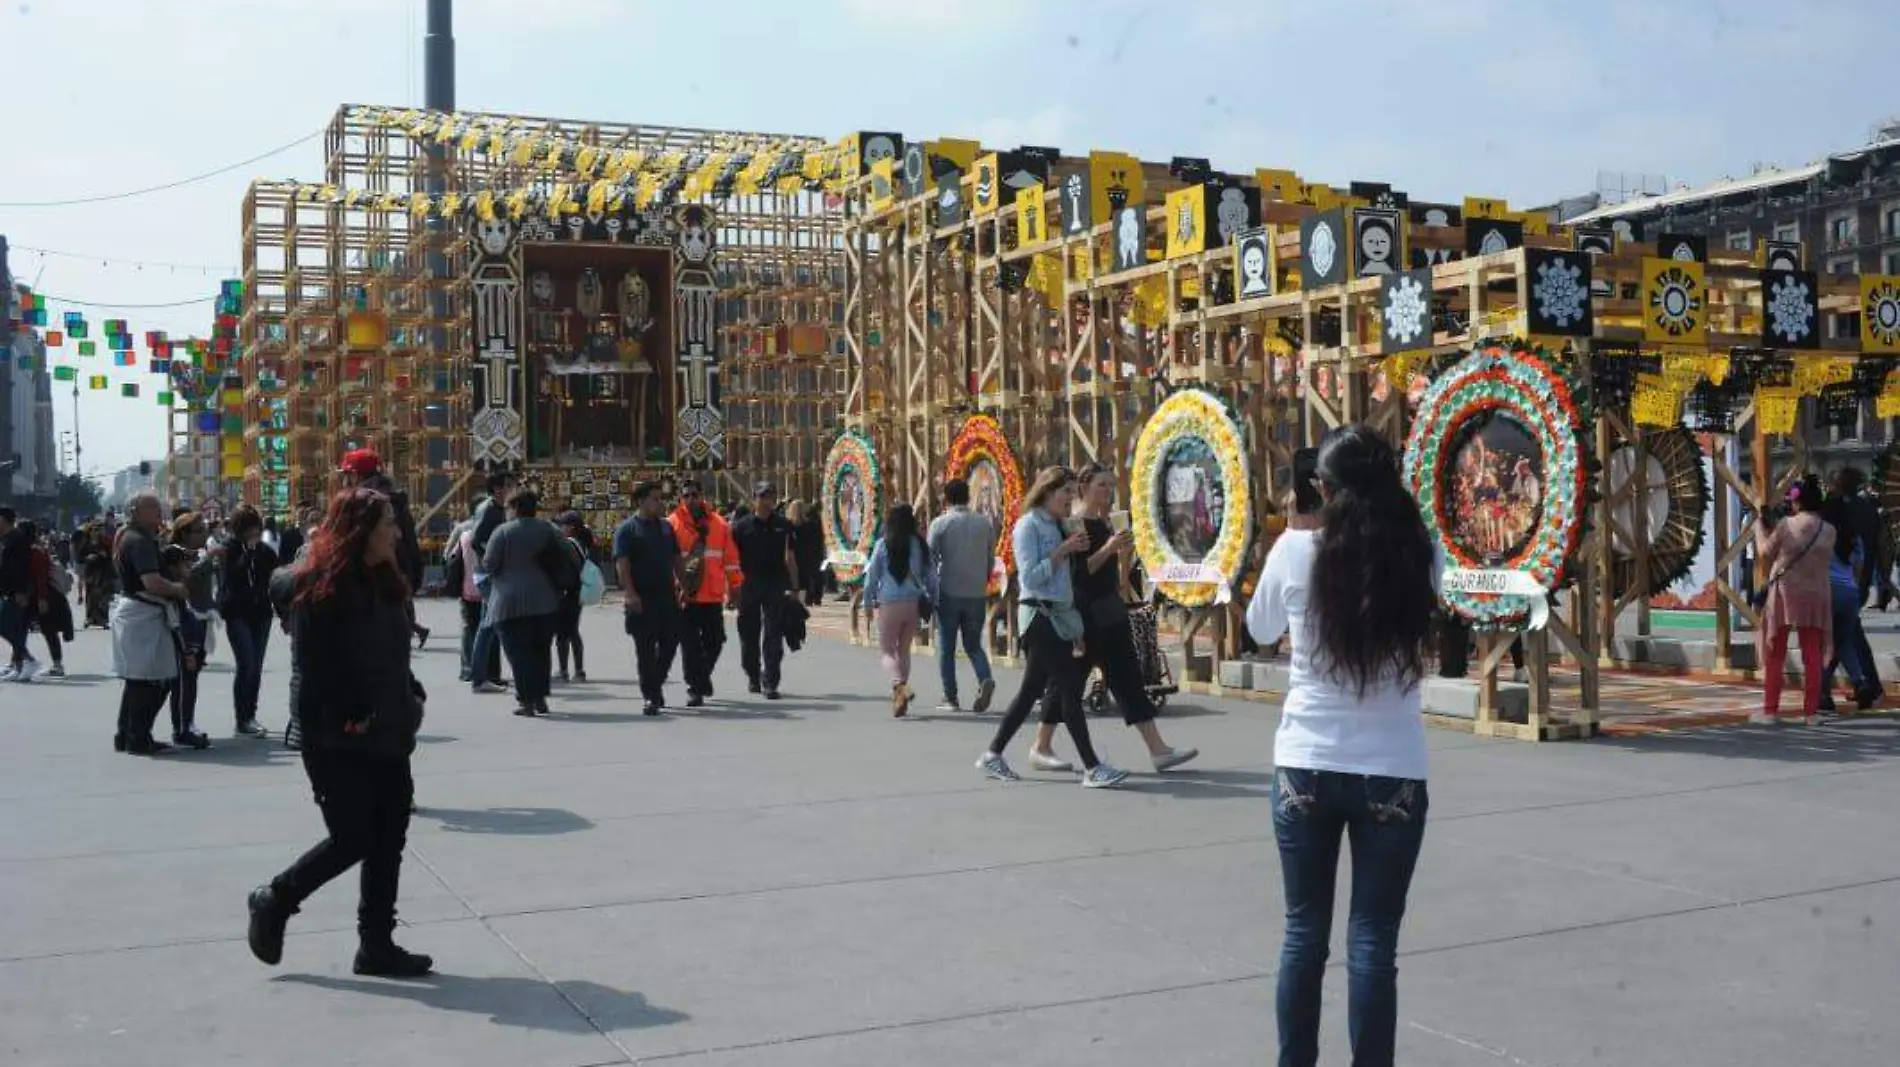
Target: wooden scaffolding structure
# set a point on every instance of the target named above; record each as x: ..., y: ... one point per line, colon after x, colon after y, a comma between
x: 402, y: 385
x: 939, y: 325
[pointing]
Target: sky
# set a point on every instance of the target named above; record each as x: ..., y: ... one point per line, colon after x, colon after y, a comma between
x: 1523, y: 99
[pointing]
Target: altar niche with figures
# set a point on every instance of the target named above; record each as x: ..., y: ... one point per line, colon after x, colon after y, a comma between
x: 595, y: 341
x: 599, y: 328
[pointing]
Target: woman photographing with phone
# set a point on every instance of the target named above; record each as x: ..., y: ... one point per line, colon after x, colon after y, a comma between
x: 1108, y: 635
x: 1050, y: 627
x: 1356, y: 595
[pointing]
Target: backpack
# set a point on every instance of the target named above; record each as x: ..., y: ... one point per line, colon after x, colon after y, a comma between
x: 561, y: 560
x: 454, y: 571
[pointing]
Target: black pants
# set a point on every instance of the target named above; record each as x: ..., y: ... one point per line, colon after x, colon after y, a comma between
x: 1053, y: 669
x: 702, y: 632
x: 528, y: 640
x: 184, y: 693
x: 139, y: 705
x: 814, y: 577
x: 656, y: 637
x: 567, y: 635
x: 1112, y: 648
x: 365, y: 802
x: 762, y: 632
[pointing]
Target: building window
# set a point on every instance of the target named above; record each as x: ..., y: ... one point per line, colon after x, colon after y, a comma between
x: 1842, y: 230
x: 1843, y: 265
x: 1890, y: 222
x: 1788, y: 231
x: 1741, y: 241
x: 1890, y: 263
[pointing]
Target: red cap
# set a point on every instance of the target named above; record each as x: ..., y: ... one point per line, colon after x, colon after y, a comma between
x: 361, y: 462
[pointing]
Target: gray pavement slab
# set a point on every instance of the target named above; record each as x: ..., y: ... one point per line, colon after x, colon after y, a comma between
x: 812, y: 882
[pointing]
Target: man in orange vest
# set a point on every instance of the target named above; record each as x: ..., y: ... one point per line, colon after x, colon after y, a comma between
x: 709, y: 582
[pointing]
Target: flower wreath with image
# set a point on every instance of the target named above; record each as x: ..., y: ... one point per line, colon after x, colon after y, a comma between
x: 851, y: 454
x: 1538, y: 398
x: 981, y: 438
x: 1185, y: 417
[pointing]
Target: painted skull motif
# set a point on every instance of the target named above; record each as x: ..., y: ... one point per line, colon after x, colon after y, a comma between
x: 695, y: 234
x: 541, y: 288
x: 878, y: 148
x: 614, y: 225
x: 493, y: 235
x: 575, y: 226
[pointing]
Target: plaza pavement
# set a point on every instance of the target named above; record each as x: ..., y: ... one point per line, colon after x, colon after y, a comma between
x: 811, y: 883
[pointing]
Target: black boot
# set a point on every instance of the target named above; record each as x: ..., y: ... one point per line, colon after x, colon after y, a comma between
x: 269, y: 916
x: 381, y: 957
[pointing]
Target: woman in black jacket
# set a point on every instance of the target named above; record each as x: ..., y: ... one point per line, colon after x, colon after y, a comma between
x: 244, y: 601
x: 360, y: 708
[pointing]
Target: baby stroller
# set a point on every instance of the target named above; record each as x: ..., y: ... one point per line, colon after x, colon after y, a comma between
x: 1157, y: 676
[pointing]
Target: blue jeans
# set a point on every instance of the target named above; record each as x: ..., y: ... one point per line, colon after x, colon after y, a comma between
x: 485, y: 652
x: 961, y: 616
x: 1851, y: 652
x: 249, y: 639
x: 1384, y: 819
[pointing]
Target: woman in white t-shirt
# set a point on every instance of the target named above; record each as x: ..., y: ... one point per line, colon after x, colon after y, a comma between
x: 1356, y: 596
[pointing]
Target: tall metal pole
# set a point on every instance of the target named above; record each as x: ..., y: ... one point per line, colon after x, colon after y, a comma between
x: 7, y: 299
x: 438, y: 94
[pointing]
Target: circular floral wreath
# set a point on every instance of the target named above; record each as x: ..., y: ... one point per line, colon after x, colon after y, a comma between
x: 981, y: 438
x: 1191, y: 415
x: 851, y: 453
x: 1521, y: 386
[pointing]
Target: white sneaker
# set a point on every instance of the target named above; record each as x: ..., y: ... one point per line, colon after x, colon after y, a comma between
x: 1173, y: 758
x: 8, y: 674
x: 1103, y: 776
x: 995, y: 767
x: 1044, y: 762
x: 948, y: 706
x: 28, y: 671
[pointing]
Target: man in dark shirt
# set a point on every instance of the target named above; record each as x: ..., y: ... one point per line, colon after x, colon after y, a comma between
x: 647, y: 561
x: 142, y: 651
x: 770, y: 571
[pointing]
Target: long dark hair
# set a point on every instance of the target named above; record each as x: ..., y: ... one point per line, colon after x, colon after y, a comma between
x: 900, y: 532
x: 1371, y: 593
x: 338, y: 545
x: 1837, y: 515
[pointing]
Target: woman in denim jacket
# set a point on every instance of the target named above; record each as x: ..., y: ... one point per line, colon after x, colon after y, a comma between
x: 898, y: 583
x: 1050, y: 627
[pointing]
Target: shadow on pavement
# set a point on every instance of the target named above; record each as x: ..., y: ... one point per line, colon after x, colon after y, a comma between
x: 235, y: 752
x: 512, y: 822
x: 1848, y: 740
x: 513, y: 1001
x: 1185, y: 783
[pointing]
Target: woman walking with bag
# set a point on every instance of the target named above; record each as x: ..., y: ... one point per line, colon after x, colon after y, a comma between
x: 1356, y: 596
x: 1796, y: 551
x: 567, y: 622
x: 900, y: 586
x: 1050, y: 628
x: 1107, y: 632
x: 360, y: 708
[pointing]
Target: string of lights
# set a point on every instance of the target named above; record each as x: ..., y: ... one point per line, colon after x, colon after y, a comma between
x: 163, y: 186
x: 139, y: 264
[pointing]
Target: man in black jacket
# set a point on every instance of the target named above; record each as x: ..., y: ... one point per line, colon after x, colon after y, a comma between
x: 766, y: 559
x: 363, y: 468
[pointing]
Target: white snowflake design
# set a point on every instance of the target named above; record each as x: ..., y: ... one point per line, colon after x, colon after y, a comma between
x: 1406, y: 311
x: 1561, y: 297
x: 1790, y: 310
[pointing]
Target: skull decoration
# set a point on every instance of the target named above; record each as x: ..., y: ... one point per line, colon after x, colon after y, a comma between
x: 589, y: 294
x: 541, y: 288
x: 878, y: 148
x: 614, y: 224
x: 695, y: 234
x: 575, y: 225
x: 493, y: 235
